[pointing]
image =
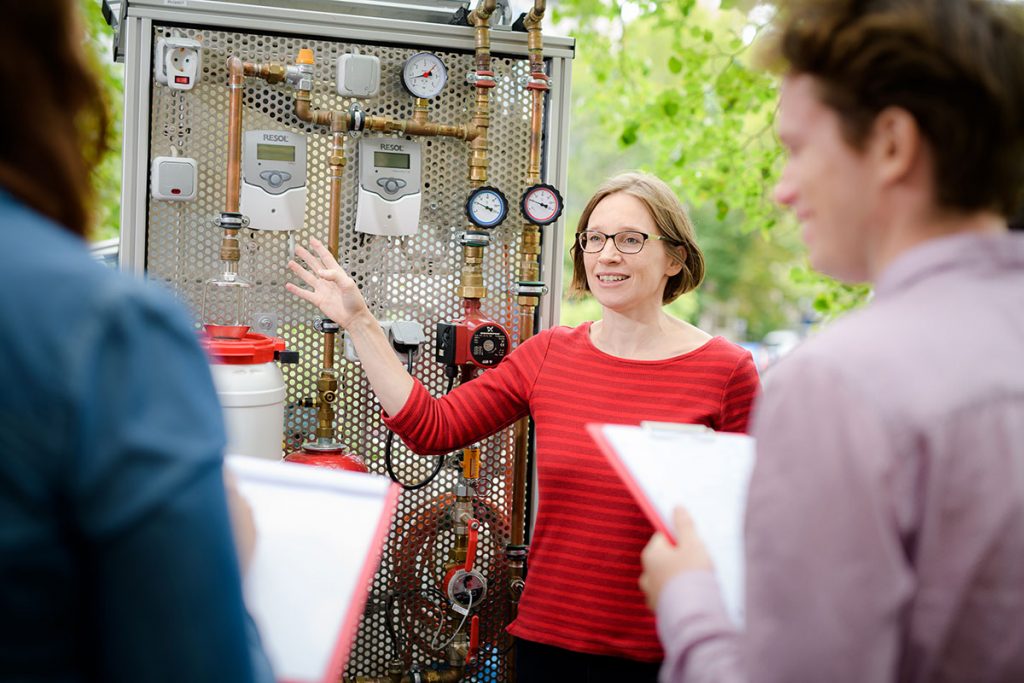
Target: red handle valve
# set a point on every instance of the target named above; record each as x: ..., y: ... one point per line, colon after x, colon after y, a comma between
x: 474, y: 533
x: 474, y: 640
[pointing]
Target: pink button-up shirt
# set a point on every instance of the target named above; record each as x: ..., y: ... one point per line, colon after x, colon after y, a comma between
x: 885, y: 527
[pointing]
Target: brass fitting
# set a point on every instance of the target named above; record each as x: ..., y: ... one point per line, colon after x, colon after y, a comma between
x: 471, y: 283
x: 327, y: 395
x: 458, y: 650
x: 457, y: 555
x: 229, y: 250
x: 271, y: 73
x: 528, y: 302
x: 420, y: 109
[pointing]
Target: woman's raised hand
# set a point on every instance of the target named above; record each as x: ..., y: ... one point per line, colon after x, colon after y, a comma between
x: 331, y: 288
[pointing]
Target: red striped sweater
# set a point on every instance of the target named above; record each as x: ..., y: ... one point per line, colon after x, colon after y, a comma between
x: 581, y: 592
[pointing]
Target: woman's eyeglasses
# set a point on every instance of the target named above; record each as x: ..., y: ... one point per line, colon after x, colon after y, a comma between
x: 627, y: 241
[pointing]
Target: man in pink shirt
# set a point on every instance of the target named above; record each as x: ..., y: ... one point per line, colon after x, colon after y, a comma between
x: 885, y: 523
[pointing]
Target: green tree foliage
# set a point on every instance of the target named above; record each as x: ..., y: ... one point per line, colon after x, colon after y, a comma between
x: 668, y: 86
x: 107, y: 178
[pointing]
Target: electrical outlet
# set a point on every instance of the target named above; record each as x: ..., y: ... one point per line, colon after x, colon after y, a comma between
x: 404, y: 335
x: 177, y: 62
x: 358, y: 75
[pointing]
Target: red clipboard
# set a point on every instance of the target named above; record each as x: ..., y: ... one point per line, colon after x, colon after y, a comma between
x: 596, y: 432
x: 347, y: 635
x: 668, y: 465
x: 320, y: 536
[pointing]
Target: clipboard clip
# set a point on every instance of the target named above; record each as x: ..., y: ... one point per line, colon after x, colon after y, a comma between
x: 670, y: 429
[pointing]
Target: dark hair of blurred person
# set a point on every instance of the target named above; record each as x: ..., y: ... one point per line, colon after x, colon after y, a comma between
x: 55, y: 119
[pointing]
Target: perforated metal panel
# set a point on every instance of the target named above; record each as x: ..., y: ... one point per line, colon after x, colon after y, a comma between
x: 402, y: 278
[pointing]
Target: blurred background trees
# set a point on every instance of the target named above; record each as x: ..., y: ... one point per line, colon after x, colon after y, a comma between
x: 108, y: 175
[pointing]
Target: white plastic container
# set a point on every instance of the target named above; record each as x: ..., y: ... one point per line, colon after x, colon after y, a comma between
x: 252, y: 397
x: 251, y: 390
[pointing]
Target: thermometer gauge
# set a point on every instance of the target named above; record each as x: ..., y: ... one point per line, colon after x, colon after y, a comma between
x: 541, y: 204
x: 424, y: 75
x: 486, y: 207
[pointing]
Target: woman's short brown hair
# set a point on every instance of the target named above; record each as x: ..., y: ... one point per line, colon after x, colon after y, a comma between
x: 55, y: 117
x: 669, y: 216
x: 956, y: 66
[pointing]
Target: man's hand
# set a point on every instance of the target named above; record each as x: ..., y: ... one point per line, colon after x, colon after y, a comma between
x: 662, y: 561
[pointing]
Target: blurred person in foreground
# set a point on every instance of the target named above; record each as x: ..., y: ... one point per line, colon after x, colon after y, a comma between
x: 116, y: 553
x: 885, y: 527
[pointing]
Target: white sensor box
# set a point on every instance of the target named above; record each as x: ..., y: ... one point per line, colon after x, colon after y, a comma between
x: 174, y: 179
x: 358, y: 75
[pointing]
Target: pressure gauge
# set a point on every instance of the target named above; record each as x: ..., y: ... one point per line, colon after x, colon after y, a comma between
x: 424, y: 75
x: 486, y: 207
x: 541, y: 204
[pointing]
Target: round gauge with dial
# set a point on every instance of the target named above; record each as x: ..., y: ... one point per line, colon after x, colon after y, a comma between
x: 541, y: 204
x: 424, y: 75
x: 486, y: 207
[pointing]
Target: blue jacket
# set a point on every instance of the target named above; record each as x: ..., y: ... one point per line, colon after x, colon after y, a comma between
x: 116, y: 555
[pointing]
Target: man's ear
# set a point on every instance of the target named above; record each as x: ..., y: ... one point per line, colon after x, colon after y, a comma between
x: 896, y: 144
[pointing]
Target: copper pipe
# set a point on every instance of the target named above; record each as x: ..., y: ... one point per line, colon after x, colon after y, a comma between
x: 327, y: 395
x: 423, y: 128
x: 237, y: 71
x: 536, y: 136
x: 529, y: 272
x: 537, y: 86
x: 236, y: 78
x: 336, y: 165
x: 305, y: 112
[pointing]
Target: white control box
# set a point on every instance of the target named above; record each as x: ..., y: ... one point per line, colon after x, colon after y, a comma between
x: 358, y: 75
x: 274, y: 190
x: 389, y: 187
x: 174, y: 179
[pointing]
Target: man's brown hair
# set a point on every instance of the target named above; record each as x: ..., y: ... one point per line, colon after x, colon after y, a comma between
x: 671, y: 219
x: 54, y: 118
x: 957, y: 66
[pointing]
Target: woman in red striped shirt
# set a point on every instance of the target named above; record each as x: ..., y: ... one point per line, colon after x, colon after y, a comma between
x: 582, y: 616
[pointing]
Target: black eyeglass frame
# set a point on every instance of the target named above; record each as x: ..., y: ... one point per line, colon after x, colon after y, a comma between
x: 614, y: 239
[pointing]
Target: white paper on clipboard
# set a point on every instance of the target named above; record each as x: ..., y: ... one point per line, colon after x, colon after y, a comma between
x: 706, y: 472
x: 319, y: 534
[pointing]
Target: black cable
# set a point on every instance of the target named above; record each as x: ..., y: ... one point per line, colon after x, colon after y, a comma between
x: 389, y: 444
x: 391, y: 470
x: 396, y: 643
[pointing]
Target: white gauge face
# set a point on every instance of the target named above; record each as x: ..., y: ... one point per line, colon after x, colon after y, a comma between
x: 487, y: 207
x: 542, y: 205
x: 424, y: 75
